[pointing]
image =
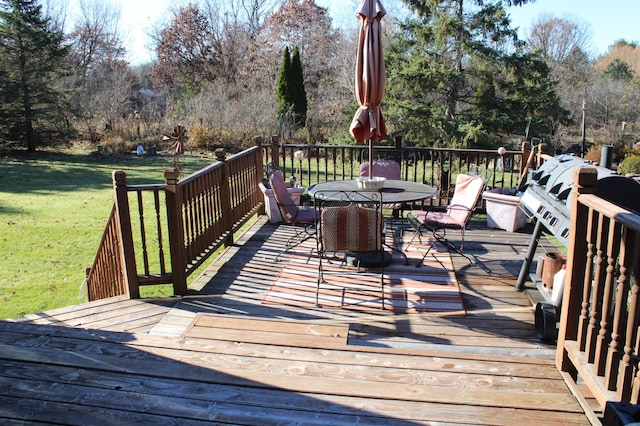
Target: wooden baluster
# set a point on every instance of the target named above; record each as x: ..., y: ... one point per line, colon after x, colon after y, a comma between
x: 610, y: 332
x: 156, y: 202
x: 618, y: 328
x: 628, y: 307
x: 585, y: 325
x: 597, y: 282
x: 143, y: 233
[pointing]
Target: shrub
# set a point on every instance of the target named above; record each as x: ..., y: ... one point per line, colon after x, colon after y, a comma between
x: 631, y: 164
x: 201, y: 138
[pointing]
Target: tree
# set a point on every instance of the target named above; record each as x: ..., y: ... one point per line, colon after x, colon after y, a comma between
x: 618, y: 70
x: 102, y: 84
x: 304, y: 24
x: 32, y: 57
x: 459, y: 75
x: 283, y: 93
x: 297, y: 90
x: 563, y: 44
x: 557, y: 38
x: 290, y: 92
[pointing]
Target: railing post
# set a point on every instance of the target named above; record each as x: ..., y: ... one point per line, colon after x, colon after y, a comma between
x: 260, y: 162
x: 257, y: 141
x: 275, y: 149
x: 585, y: 179
x: 126, y: 234
x: 225, y: 195
x: 176, y: 231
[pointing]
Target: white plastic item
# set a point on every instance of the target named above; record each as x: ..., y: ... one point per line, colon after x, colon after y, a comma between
x: 558, y: 286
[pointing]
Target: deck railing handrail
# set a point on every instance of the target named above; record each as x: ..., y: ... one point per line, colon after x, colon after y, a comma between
x: 201, y: 213
x: 598, y: 334
x: 146, y: 245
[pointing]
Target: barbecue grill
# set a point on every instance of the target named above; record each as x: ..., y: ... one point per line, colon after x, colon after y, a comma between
x: 548, y: 193
x: 547, y: 200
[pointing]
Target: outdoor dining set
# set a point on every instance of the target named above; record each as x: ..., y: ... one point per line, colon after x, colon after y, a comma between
x: 348, y: 219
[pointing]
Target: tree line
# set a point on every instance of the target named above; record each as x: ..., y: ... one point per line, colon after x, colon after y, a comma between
x: 458, y: 75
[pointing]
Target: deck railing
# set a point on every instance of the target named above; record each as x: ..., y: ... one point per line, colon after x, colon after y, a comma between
x: 178, y: 225
x: 598, y: 336
x: 310, y: 164
x: 159, y: 234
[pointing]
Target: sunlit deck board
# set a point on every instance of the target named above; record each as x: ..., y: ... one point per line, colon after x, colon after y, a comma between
x: 483, y: 368
x: 142, y: 377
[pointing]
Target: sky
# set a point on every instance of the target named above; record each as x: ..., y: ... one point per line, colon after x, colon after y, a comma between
x: 609, y: 20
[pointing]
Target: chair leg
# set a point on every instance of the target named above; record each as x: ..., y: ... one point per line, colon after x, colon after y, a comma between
x: 294, y: 241
x: 441, y: 238
x: 418, y: 227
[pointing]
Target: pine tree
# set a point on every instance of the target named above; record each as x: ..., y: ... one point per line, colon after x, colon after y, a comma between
x: 31, y: 60
x: 283, y: 96
x: 297, y: 91
x: 461, y: 78
x: 291, y: 95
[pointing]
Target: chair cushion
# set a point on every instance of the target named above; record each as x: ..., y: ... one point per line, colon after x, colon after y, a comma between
x: 288, y: 207
x: 305, y: 216
x: 441, y: 219
x: 382, y: 168
x: 351, y: 228
x: 386, y: 169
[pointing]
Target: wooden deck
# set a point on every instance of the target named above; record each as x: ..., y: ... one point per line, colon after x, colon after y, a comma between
x: 221, y: 356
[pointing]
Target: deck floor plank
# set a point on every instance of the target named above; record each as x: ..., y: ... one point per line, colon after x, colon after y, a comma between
x: 219, y: 355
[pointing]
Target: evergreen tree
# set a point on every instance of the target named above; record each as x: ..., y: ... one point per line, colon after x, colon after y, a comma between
x: 460, y: 75
x: 297, y: 90
x: 283, y: 95
x: 31, y: 60
x: 291, y: 96
x: 618, y: 70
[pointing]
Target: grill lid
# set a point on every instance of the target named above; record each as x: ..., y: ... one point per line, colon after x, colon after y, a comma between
x: 547, y: 195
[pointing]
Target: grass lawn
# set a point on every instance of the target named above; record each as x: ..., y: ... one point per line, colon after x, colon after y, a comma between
x: 53, y: 209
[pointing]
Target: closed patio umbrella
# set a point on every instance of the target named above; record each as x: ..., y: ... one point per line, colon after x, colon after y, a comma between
x: 368, y: 123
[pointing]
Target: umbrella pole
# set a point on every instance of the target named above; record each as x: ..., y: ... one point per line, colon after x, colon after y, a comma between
x: 370, y: 159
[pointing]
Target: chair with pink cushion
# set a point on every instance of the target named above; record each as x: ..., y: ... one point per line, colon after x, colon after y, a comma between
x: 466, y: 195
x: 302, y: 220
x: 389, y: 170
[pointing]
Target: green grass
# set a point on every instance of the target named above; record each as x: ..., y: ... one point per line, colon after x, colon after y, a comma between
x: 53, y: 209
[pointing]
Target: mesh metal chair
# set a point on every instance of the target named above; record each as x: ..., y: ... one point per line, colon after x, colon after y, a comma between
x: 352, y: 228
x: 387, y: 169
x: 457, y: 215
x: 302, y: 220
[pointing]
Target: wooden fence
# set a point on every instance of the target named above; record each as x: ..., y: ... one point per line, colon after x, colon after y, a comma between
x: 178, y: 225
x: 159, y: 234
x: 598, y: 337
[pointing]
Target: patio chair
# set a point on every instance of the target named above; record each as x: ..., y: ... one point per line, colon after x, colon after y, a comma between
x: 351, y: 231
x: 466, y: 194
x: 390, y: 170
x: 291, y: 213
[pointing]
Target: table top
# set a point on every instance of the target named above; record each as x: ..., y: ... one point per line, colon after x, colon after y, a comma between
x: 394, y: 191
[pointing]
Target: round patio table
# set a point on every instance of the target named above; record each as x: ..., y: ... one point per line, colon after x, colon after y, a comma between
x: 393, y: 192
